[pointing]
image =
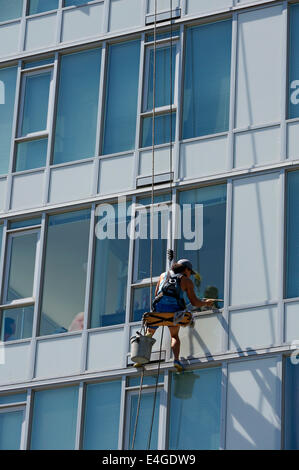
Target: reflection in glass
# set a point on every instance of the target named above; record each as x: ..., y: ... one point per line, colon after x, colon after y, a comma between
x: 195, y: 410
x: 292, y: 268
x: 39, y: 6
x: 145, y: 417
x: 102, y: 415
x: 35, y: 112
x: 10, y: 429
x: 21, y: 267
x: 291, y: 405
x: 294, y: 62
x: 207, y: 79
x: 121, y: 97
x: 77, y: 109
x: 15, y: 398
x: 32, y: 154
x: 54, y: 419
x: 8, y: 79
x: 25, y: 223
x: 208, y: 261
x: 65, y: 273
x: 17, y: 323
x: 141, y: 301
x: 10, y: 9
x: 164, y: 129
x: 110, y: 275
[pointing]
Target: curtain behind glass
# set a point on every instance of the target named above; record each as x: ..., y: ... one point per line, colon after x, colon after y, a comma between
x: 207, y: 79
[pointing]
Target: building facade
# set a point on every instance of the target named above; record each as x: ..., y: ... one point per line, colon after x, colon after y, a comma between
x: 82, y: 85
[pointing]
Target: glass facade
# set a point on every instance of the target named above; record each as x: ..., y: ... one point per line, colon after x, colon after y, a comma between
x: 10, y: 10
x: 39, y: 6
x: 10, y: 429
x: 294, y: 63
x: 291, y: 404
x: 292, y: 278
x: 8, y: 79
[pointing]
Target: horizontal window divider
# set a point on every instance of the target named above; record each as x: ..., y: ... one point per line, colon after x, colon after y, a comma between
x: 38, y: 68
x: 148, y: 206
x: 290, y: 121
x: 157, y: 147
x: 43, y: 13
x: 32, y: 170
x: 256, y: 127
x: 33, y: 136
x: 204, y: 137
x: 75, y: 162
x: 271, y: 303
x: 167, y: 40
x: 59, y: 335
x: 15, y: 20
x: 291, y: 300
x: 118, y: 154
x: 144, y: 283
x: 23, y: 229
x: 144, y: 387
x: 17, y: 341
x: 159, y: 111
x: 18, y: 303
x: 120, y: 326
x: 13, y: 405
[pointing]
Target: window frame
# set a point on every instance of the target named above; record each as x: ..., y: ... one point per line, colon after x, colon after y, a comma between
x: 10, y: 408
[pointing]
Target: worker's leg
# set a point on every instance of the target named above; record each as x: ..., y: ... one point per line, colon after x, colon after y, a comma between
x: 175, y: 341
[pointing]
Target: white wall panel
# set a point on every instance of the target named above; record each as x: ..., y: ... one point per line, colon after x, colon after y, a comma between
x: 243, y: 330
x: 255, y: 239
x: 292, y: 322
x: 259, y: 66
x: 203, y: 157
x: 293, y: 140
x: 162, y: 161
x: 58, y: 357
x: 204, y: 338
x: 40, y: 32
x: 9, y: 39
x: 2, y: 193
x: 124, y: 14
x: 71, y: 182
x: 16, y: 365
x: 203, y: 6
x: 253, y: 405
x: 27, y: 190
x: 162, y: 5
x: 116, y: 174
x: 106, y: 350
x: 82, y: 22
x: 257, y: 147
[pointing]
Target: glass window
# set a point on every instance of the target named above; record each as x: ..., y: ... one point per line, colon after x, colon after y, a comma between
x: 294, y: 62
x: 102, y: 416
x: 164, y: 129
x: 11, y: 428
x: 203, y: 223
x: 65, y: 272
x: 195, y: 410
x: 24, y: 223
x: 111, y: 270
x: 10, y: 9
x: 207, y: 79
x: 291, y: 405
x: 17, y: 323
x: 69, y: 3
x: 54, y: 419
x: 21, y: 265
x: 121, y: 97
x: 292, y: 268
x: 16, y: 398
x: 144, y: 420
x: 147, y: 380
x: 77, y: 109
x: 1, y: 235
x: 8, y: 79
x: 32, y: 154
x: 39, y: 6
x: 141, y: 302
x: 38, y: 63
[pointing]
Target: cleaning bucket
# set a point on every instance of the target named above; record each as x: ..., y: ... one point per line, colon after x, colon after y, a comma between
x: 141, y: 348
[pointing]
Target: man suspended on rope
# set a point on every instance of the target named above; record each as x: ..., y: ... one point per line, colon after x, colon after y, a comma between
x: 169, y: 298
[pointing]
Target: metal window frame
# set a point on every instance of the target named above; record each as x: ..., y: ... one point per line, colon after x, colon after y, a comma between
x: 11, y: 409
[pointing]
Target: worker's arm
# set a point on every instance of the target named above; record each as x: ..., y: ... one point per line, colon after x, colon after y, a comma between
x: 188, y: 287
x: 158, y: 284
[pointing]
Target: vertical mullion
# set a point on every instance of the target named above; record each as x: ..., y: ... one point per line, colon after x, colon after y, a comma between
x: 121, y: 430
x: 232, y: 103
x: 59, y: 22
x: 163, y: 416
x: 224, y: 384
x: 3, y: 258
x: 79, y: 423
x: 183, y: 7
x: 139, y: 108
x: 25, y: 444
x: 227, y: 267
x: 106, y: 16
x: 281, y: 251
x: 285, y: 58
x: 22, y: 35
x: 100, y: 118
x: 179, y: 113
x: 279, y: 404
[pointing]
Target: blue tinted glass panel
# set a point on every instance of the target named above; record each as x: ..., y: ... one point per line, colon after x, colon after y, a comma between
x: 39, y: 6
x: 207, y: 79
x: 76, y: 121
x: 141, y: 302
x: 205, y: 230
x: 164, y: 77
x: 121, y: 97
x: 151, y: 37
x: 1, y: 235
x: 10, y: 9
x: 292, y: 280
x: 16, y: 398
x: 25, y: 223
x: 294, y: 62
x: 145, y: 417
x: 291, y: 405
x: 164, y: 130
x: 38, y: 63
x: 17, y: 323
x: 36, y: 103
x: 10, y: 430
x: 31, y: 154
x: 54, y: 419
x: 147, y: 380
x: 111, y: 269
x: 8, y: 79
x: 69, y: 3
x: 157, y: 199
x: 65, y: 273
x: 195, y: 410
x: 102, y: 416
x: 21, y: 267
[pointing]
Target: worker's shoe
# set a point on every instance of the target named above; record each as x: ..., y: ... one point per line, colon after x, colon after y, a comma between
x: 179, y: 366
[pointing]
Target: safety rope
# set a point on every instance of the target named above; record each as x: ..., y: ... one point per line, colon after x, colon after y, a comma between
x: 138, y: 408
